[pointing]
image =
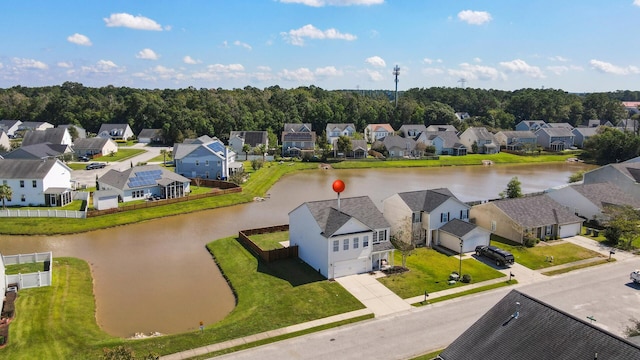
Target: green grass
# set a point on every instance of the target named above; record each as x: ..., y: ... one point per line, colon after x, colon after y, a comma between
x: 538, y: 257
x: 75, y: 205
x: 429, y: 356
x: 270, y: 241
x: 576, y: 267
x: 58, y: 322
x: 122, y: 154
x: 78, y: 166
x: 468, y: 292
x: 429, y: 271
x: 24, y: 268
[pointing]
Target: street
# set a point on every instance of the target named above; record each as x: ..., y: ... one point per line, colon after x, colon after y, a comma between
x: 602, y: 292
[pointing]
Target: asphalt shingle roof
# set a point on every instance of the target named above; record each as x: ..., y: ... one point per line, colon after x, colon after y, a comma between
x: 53, y: 136
x: 535, y: 211
x: 426, y: 200
x: 25, y: 169
x: 120, y: 179
x: 539, y: 331
x: 252, y: 138
x: 603, y: 194
x: 330, y: 219
x: 458, y: 227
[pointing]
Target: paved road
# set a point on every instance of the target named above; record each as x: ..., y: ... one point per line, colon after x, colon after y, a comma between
x: 603, y: 292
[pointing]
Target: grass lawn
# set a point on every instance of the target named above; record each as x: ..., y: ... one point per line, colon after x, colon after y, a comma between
x: 58, y: 322
x: 24, y: 268
x: 75, y: 205
x: 122, y: 154
x: 270, y: 241
x: 429, y: 271
x: 535, y: 258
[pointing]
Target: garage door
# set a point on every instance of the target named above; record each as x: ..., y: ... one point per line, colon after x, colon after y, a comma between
x: 470, y: 244
x: 351, y: 267
x: 569, y: 230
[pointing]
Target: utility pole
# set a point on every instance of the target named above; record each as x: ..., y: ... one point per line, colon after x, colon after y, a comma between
x: 396, y: 73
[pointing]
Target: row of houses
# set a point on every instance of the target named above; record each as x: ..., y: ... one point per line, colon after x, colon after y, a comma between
x: 342, y: 237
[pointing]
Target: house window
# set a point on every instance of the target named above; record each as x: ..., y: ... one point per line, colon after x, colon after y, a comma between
x: 548, y: 230
x: 375, y: 237
x: 206, y: 163
x: 23, y: 198
x: 345, y: 244
x: 382, y: 236
x: 336, y: 245
x: 197, y: 162
x: 34, y: 183
x: 493, y: 225
x: 365, y: 241
x: 356, y: 242
x: 415, y: 217
x: 218, y: 162
x: 464, y: 214
x: 4, y: 182
x: 444, y: 217
x: 21, y: 183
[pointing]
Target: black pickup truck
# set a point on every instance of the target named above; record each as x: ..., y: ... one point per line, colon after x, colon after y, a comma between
x: 501, y: 257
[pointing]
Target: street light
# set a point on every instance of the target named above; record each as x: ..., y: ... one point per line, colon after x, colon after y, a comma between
x: 460, y: 269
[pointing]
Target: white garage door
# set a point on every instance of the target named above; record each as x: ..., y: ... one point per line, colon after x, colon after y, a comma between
x: 350, y: 267
x: 569, y: 230
x: 468, y: 245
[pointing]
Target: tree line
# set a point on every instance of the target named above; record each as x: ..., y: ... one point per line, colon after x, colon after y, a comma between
x: 191, y: 112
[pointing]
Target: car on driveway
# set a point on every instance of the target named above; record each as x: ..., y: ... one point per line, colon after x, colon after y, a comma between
x: 501, y: 257
x: 83, y: 158
x: 93, y: 166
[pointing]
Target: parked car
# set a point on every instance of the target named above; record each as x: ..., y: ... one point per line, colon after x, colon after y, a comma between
x: 501, y: 257
x: 93, y: 166
x: 83, y: 158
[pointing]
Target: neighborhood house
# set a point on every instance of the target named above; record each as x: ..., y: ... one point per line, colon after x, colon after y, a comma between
x: 37, y: 182
x: 143, y: 182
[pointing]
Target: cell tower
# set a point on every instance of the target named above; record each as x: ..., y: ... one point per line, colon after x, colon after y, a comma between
x: 396, y: 73
x: 462, y: 81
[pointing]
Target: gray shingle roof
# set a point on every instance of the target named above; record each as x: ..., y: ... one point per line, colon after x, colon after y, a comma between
x: 53, y: 136
x: 523, y: 134
x: 396, y: 141
x: 150, y: 133
x: 305, y: 127
x: 25, y: 169
x: 450, y: 138
x: 330, y: 219
x: 89, y: 143
x: 540, y: 331
x: 426, y: 200
x: 253, y: 138
x: 535, y: 211
x: 557, y: 131
x: 37, y: 151
x: 603, y: 194
x: 630, y: 169
x: 458, y: 227
x: 120, y: 179
x: 82, y: 133
x: 481, y: 133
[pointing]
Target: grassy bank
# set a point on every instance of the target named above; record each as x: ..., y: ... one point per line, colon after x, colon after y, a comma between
x: 58, y: 322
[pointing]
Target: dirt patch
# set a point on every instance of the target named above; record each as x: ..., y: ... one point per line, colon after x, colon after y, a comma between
x: 395, y: 270
x: 325, y: 166
x: 6, y: 316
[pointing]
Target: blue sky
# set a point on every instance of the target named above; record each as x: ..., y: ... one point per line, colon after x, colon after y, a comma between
x: 574, y: 45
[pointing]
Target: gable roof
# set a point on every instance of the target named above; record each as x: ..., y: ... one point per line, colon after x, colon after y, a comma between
x: 358, y: 144
x: 603, y: 194
x: 51, y: 135
x: 33, y: 125
x: 398, y: 141
x: 556, y: 132
x: 628, y: 169
x: 8, y: 124
x: 380, y: 127
x: 418, y: 128
x: 532, y: 123
x: 214, y: 146
x: 450, y: 138
x: 518, y: 134
x: 426, y: 200
x: 445, y: 127
x: 253, y: 138
x: 341, y: 127
x: 560, y: 125
x: 458, y: 227
x: 37, y: 151
x: 90, y: 143
x: 150, y: 133
x: 522, y: 327
x: 25, y: 169
x: 125, y: 180
x: 300, y: 127
x: 330, y: 218
x: 586, y: 131
x: 481, y: 133
x: 82, y: 133
x: 534, y: 211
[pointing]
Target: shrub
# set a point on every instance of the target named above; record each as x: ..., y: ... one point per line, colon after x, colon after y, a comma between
x: 530, y: 240
x: 466, y: 278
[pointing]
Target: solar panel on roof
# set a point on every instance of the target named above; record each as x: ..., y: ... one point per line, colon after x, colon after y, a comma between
x: 216, y: 146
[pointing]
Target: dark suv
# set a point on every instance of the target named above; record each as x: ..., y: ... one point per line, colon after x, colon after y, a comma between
x: 501, y: 257
x: 93, y: 166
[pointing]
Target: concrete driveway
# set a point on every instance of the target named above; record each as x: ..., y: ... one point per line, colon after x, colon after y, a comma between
x: 372, y: 294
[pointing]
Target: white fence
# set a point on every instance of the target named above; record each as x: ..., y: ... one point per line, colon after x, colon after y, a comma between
x: 30, y: 280
x: 51, y: 212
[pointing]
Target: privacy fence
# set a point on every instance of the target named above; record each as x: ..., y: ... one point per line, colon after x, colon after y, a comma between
x: 267, y: 255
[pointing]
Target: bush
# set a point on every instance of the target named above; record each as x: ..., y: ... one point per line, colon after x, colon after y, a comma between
x: 466, y: 278
x: 530, y: 240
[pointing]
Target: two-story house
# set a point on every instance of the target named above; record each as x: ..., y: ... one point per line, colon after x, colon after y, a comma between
x: 582, y: 134
x: 416, y: 216
x: 375, y: 132
x: 334, y: 131
x: 398, y: 146
x: 115, y: 131
x: 517, y: 140
x: 411, y: 130
x: 297, y: 139
x: 341, y: 237
x: 444, y: 142
x: 204, y: 157
x: 624, y: 175
x: 555, y: 139
x: 238, y: 139
x: 37, y: 182
x: 479, y: 140
x: 530, y: 125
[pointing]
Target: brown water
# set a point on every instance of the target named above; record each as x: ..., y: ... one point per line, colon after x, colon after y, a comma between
x: 158, y: 276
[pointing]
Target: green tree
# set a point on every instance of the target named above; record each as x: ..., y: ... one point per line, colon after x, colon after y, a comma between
x: 612, y: 146
x: 625, y: 221
x: 344, y: 145
x: 245, y: 149
x: 513, y: 189
x: 165, y: 153
x: 5, y: 194
x: 575, y: 177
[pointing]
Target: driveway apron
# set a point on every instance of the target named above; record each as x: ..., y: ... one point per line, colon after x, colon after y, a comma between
x: 375, y: 296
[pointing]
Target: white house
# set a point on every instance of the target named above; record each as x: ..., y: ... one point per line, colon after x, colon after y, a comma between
x: 5, y: 142
x: 37, y: 182
x: 10, y: 126
x: 334, y: 131
x: 237, y: 140
x: 416, y: 216
x: 115, y: 131
x: 94, y: 146
x: 462, y: 236
x: 341, y: 238
x: 34, y: 125
x: 484, y: 140
x: 375, y: 132
x: 143, y: 182
x: 150, y: 136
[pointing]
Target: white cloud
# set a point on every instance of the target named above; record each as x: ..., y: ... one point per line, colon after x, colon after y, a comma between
x: 376, y: 61
x: 65, y: 64
x: 427, y: 61
x: 327, y: 72
x: 219, y: 71
x: 29, y: 64
x: 375, y: 75
x: 241, y: 44
x: 320, y: 3
x: 561, y: 69
x: 301, y: 74
x: 477, y: 59
x: 132, y: 22
x: 147, y: 54
x: 79, y: 39
x: 476, y: 72
x: 189, y: 60
x: 297, y: 36
x: 474, y: 17
x: 103, y: 67
x: 225, y: 44
x: 636, y: 2
x: 560, y: 58
x: 264, y: 68
x: 432, y: 71
x: 520, y: 66
x: 609, y: 68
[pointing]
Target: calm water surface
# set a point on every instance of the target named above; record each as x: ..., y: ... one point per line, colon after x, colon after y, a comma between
x: 158, y: 276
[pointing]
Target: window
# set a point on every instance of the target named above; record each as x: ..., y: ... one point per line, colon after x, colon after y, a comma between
x: 218, y: 162
x: 21, y: 183
x: 197, y: 162
x: 336, y: 245
x: 345, y: 244
x: 493, y: 225
x: 548, y: 230
x: 23, y: 197
x: 34, y: 183
x: 365, y: 241
x: 206, y: 163
x: 4, y: 182
x: 375, y: 237
x: 464, y: 214
x: 381, y: 236
x: 415, y: 218
x: 444, y: 217
x: 355, y: 242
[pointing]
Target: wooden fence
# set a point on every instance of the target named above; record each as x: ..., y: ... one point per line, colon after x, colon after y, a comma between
x: 267, y: 255
x: 150, y: 204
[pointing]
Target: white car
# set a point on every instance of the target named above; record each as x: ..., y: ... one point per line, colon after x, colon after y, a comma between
x: 635, y: 276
